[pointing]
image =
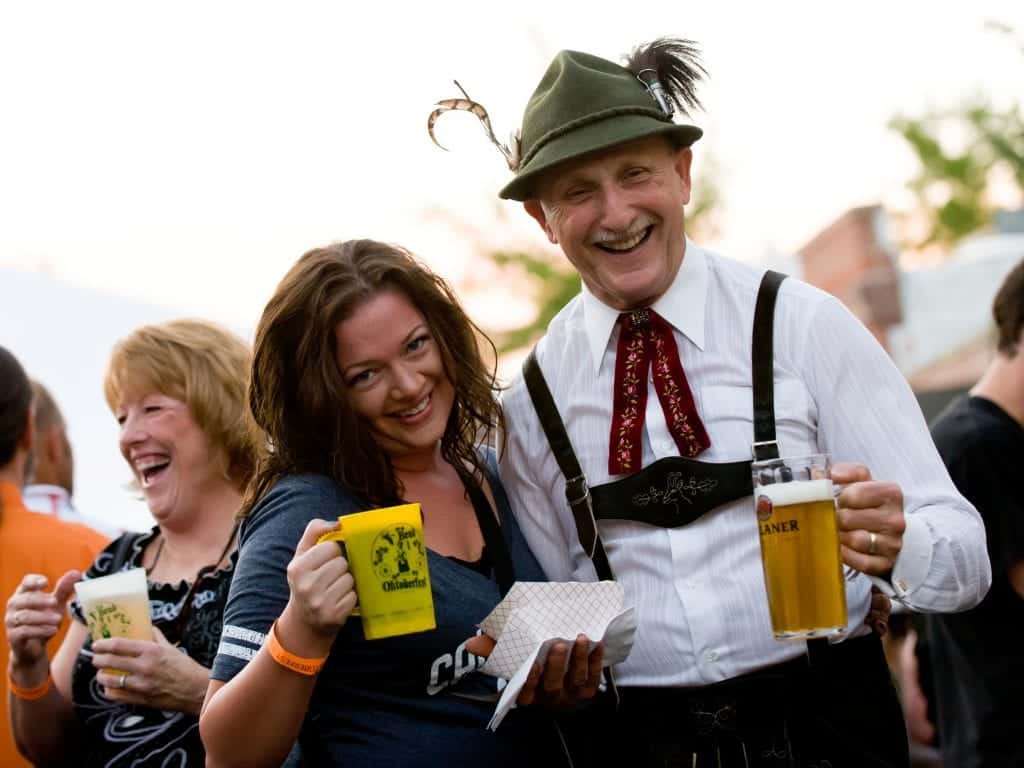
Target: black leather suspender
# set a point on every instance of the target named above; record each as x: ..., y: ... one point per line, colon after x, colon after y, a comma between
x: 762, y: 359
x: 577, y: 492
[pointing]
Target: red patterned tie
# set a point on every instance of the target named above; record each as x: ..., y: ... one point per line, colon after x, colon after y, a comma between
x: 646, y: 339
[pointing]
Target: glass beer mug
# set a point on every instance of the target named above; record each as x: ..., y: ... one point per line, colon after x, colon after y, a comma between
x: 803, y: 568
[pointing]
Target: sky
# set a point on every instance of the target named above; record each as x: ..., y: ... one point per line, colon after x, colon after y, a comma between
x: 182, y: 156
x: 188, y: 153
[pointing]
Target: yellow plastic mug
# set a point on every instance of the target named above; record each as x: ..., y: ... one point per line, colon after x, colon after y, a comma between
x: 388, y: 560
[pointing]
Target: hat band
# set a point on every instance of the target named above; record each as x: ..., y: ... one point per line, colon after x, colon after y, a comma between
x: 593, y: 117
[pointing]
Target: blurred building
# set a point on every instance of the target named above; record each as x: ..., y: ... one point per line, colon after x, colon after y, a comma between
x: 934, y: 321
x: 855, y: 259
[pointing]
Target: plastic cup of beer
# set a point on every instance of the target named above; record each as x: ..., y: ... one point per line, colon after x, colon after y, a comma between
x: 116, y: 606
x: 803, y: 567
x: 388, y: 560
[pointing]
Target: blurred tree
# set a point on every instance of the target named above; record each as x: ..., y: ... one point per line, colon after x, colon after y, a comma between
x: 556, y: 282
x: 953, y: 184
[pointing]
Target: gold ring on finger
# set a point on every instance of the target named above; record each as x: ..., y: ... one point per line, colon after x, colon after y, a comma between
x: 872, y: 542
x: 122, y: 680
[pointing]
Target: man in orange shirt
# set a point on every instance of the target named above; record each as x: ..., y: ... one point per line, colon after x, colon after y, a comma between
x: 29, y: 543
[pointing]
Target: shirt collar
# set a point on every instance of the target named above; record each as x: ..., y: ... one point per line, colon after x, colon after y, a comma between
x: 682, y: 305
x: 41, y: 489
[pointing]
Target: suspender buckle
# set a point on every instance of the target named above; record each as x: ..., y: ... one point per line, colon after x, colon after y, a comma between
x: 577, y: 492
x: 762, y: 450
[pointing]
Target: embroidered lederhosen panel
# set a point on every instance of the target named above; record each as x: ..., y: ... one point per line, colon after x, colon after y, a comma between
x: 672, y: 491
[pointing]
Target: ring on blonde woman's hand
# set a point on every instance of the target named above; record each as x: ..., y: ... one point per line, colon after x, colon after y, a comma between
x: 122, y: 680
x: 872, y: 541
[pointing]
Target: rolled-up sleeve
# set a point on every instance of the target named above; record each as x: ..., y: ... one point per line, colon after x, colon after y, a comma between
x: 259, y: 590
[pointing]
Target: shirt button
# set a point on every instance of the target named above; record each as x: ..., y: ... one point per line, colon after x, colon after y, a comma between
x: 710, y: 656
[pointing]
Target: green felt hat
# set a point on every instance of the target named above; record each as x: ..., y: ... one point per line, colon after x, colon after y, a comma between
x: 584, y: 104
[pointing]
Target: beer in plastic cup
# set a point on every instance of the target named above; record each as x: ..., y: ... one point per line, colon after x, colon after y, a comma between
x: 116, y: 606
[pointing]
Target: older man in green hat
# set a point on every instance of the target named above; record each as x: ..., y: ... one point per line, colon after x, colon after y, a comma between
x: 631, y: 434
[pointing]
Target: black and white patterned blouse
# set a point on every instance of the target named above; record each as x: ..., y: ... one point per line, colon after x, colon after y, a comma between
x: 117, y: 734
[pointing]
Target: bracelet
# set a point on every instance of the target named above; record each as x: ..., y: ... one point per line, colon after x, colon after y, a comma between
x: 290, y: 661
x: 29, y: 694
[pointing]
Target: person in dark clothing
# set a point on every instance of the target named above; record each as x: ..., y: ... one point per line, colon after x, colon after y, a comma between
x: 978, y: 663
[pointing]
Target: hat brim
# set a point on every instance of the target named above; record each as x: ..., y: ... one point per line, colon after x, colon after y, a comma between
x: 594, y: 138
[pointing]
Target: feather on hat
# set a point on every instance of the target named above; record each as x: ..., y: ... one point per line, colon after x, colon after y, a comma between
x: 584, y: 104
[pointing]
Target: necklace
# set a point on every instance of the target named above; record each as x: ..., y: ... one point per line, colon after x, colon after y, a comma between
x: 181, y: 621
x: 156, y: 557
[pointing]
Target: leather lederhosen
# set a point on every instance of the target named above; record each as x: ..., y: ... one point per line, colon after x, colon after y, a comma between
x: 834, y: 707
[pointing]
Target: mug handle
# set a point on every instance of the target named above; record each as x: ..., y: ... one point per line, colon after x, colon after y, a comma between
x: 339, y: 537
x: 848, y: 572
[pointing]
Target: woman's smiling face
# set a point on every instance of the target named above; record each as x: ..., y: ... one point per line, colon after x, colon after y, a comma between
x: 394, y: 374
x: 173, y: 460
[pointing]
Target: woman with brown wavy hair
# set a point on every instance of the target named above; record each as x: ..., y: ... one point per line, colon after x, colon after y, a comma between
x: 369, y: 383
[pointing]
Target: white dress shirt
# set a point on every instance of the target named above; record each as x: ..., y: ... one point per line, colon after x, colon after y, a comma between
x: 699, y: 589
x: 56, y: 501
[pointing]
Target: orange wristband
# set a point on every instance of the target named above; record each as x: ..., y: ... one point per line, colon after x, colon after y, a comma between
x: 30, y: 694
x: 290, y: 661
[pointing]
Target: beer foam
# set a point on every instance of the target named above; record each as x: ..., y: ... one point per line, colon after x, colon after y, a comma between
x: 130, y: 581
x: 796, y: 492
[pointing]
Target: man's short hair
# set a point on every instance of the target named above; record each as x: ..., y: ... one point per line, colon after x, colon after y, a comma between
x: 15, y: 405
x: 47, y: 412
x: 1008, y: 311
